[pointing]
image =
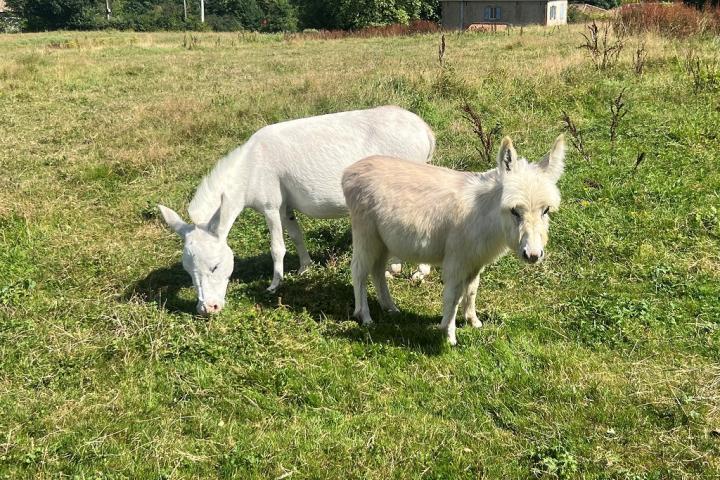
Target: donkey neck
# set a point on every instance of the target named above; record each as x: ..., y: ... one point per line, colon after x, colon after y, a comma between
x: 229, y: 177
x: 483, y: 197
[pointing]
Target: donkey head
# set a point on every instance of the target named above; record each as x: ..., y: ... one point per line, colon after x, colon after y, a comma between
x: 529, y: 194
x: 206, y: 254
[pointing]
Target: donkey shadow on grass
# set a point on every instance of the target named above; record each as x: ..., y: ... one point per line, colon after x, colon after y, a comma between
x: 165, y: 284
x: 325, y: 296
x: 321, y: 295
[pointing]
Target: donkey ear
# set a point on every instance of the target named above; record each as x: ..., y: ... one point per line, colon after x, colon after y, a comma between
x: 223, y: 219
x: 174, y: 221
x: 553, y: 163
x: 507, y: 156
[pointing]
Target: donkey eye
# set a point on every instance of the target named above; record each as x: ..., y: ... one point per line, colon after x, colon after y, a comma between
x: 546, y: 211
x: 212, y: 270
x: 515, y: 213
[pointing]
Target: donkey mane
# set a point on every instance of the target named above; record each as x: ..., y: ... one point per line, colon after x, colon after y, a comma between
x: 223, y: 178
x: 481, y: 184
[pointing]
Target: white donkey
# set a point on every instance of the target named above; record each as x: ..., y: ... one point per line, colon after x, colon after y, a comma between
x: 294, y: 165
x: 462, y: 221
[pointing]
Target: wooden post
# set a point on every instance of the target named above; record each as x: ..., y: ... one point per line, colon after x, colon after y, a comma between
x: 108, y: 11
x: 202, y: 11
x: 185, y: 10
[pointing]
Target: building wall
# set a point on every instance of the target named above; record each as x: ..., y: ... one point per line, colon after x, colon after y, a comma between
x: 2, y: 6
x: 449, y: 15
x: 561, y: 7
x: 457, y: 14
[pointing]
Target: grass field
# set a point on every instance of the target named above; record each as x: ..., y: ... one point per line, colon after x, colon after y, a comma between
x: 602, y: 362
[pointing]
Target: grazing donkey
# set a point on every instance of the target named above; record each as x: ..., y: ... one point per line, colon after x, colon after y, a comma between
x: 462, y: 221
x: 294, y: 165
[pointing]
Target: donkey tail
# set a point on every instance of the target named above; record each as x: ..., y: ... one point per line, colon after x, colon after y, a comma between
x: 431, y: 140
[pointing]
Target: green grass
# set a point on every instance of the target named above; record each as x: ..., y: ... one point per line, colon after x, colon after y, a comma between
x: 602, y: 362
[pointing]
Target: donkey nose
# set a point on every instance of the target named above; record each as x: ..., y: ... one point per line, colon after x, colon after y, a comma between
x: 532, y: 257
x: 209, y: 308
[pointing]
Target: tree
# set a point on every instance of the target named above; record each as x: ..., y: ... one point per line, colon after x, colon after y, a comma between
x: 317, y: 14
x: 54, y: 14
x: 353, y: 14
x: 279, y: 16
x: 263, y: 15
x: 234, y: 14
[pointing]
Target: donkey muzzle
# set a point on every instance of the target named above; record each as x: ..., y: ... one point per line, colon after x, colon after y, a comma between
x: 532, y: 257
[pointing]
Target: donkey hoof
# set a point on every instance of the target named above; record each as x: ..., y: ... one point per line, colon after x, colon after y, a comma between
x: 272, y: 288
x: 304, y: 268
x: 475, y: 322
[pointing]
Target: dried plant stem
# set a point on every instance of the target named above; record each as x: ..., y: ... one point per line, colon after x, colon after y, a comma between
x: 441, y: 51
x: 639, y: 59
x: 617, y: 112
x: 575, y: 136
x: 486, y: 136
x: 603, y: 50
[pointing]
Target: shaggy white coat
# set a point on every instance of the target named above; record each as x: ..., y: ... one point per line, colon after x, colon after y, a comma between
x: 293, y: 165
x: 462, y: 221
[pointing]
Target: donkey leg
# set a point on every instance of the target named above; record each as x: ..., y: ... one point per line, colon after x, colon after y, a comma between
x: 469, y: 311
x: 360, y: 269
x: 367, y: 252
x: 381, y: 286
x: 277, y: 247
x: 395, y: 266
x: 293, y: 228
x: 424, y: 269
x: 422, y: 272
x: 452, y: 293
x: 451, y: 298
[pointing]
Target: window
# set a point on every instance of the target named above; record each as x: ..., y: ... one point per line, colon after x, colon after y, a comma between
x: 553, y: 12
x: 492, y: 13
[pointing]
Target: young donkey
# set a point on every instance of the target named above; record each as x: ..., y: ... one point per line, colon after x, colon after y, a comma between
x: 462, y: 221
x: 294, y: 165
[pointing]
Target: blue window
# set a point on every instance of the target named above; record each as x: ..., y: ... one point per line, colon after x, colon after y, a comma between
x: 553, y: 12
x: 492, y: 13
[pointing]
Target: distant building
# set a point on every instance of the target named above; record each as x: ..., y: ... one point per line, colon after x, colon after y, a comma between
x: 3, y: 8
x: 483, y: 13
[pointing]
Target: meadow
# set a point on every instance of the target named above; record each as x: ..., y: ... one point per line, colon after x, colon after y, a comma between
x: 601, y: 362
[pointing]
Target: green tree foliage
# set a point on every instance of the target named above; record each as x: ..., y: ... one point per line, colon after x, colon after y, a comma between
x: 362, y: 13
x: 145, y: 15
x: 262, y: 15
x: 280, y: 16
x: 352, y: 14
x: 234, y: 14
x: 54, y: 14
